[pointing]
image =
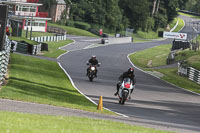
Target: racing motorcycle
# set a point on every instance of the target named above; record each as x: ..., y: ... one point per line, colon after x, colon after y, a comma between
x: 92, y: 70
x: 125, y: 90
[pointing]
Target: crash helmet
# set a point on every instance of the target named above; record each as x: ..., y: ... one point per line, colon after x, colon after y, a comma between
x: 93, y: 56
x: 131, y: 70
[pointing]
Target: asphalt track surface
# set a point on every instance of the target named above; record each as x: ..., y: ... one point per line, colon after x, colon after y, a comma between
x: 153, y: 99
x: 154, y: 102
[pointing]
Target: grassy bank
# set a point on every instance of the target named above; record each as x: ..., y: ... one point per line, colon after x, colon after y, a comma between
x: 158, y: 57
x: 74, y: 31
x: 53, y: 48
x: 18, y: 123
x: 41, y: 81
x: 188, y: 15
x: 170, y: 75
x: 180, y: 25
x: 145, y: 36
x: 192, y: 58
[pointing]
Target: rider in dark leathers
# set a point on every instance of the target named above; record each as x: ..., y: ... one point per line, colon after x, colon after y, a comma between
x: 92, y: 61
x: 129, y: 74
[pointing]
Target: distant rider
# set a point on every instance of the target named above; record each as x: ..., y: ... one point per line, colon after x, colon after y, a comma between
x: 129, y: 74
x: 92, y: 61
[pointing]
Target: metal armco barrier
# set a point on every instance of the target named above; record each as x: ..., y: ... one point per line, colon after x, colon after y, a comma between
x: 4, y: 59
x: 194, y: 75
x: 49, y: 38
x: 190, y: 72
x: 177, y: 44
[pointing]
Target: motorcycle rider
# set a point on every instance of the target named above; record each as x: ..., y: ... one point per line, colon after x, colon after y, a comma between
x: 92, y: 61
x: 129, y: 74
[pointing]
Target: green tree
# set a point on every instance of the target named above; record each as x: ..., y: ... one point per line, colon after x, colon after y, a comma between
x: 100, y: 12
x: 48, y: 3
x: 137, y: 11
x: 182, y: 4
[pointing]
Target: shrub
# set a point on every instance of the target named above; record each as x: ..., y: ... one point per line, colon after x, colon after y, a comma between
x: 82, y: 25
x: 70, y: 23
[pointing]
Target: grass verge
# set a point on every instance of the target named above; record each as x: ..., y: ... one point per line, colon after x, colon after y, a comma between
x: 158, y: 57
x: 179, y: 26
x: 53, y: 50
x: 170, y: 75
x: 188, y: 15
x: 173, y: 23
x: 42, y: 81
x: 146, y: 36
x: 74, y: 31
x: 18, y: 123
x: 191, y: 57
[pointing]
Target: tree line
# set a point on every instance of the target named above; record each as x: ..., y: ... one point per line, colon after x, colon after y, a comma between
x: 192, y: 5
x: 116, y: 15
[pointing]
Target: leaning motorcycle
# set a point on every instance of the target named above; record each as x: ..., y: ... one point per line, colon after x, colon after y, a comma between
x: 92, y: 71
x: 125, y: 90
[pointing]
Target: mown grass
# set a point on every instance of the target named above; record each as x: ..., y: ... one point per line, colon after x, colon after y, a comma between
x: 42, y: 81
x: 53, y: 50
x: 23, y: 39
x: 145, y: 35
x: 188, y: 15
x: 191, y: 57
x: 170, y: 75
x: 173, y: 23
x: 74, y: 31
x: 31, y: 123
x: 179, y: 26
x: 158, y: 55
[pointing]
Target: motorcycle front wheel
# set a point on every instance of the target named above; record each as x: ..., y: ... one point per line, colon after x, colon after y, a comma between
x: 91, y: 79
x: 123, y: 101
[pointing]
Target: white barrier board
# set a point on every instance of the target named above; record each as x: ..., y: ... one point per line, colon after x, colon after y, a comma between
x: 175, y: 35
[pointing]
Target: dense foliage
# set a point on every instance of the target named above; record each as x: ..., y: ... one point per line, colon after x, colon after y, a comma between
x: 117, y: 15
x: 192, y: 5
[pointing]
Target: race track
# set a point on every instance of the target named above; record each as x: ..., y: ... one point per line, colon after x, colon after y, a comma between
x: 153, y: 100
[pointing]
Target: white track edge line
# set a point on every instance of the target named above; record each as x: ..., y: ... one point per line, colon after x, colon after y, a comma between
x: 68, y: 44
x: 72, y: 82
